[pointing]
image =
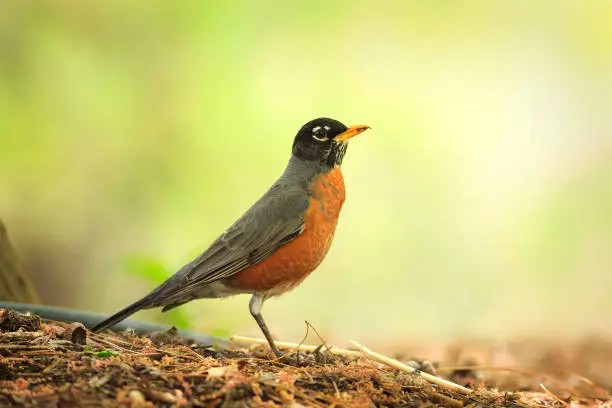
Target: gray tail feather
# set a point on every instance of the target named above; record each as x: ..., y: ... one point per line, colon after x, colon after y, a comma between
x: 143, y: 303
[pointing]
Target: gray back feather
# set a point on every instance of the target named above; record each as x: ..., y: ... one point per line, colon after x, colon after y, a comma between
x: 274, y: 220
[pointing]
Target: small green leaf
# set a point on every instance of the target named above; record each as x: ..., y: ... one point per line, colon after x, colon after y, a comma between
x: 105, y: 354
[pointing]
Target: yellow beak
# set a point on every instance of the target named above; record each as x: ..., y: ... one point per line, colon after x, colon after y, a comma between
x: 352, y: 131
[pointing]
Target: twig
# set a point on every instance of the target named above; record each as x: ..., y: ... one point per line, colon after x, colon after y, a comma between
x: 546, y: 390
x: 104, y: 339
x: 321, y: 338
x: 26, y: 347
x: 530, y: 373
x: 336, y: 388
x: 296, y: 346
x: 197, y: 355
x: 497, y: 368
x: 403, y: 367
x: 592, y: 384
x: 310, y: 399
x: 277, y: 359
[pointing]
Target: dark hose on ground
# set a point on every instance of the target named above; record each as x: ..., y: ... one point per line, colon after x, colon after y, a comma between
x: 90, y: 319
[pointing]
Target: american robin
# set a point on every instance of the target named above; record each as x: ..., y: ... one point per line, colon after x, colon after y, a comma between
x: 279, y: 241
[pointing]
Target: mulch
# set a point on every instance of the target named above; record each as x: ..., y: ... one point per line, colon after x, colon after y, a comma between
x: 54, y: 364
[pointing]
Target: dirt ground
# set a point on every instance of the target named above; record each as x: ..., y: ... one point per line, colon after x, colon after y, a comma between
x: 52, y: 364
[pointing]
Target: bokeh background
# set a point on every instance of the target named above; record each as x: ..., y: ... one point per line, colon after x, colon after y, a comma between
x: 479, y: 205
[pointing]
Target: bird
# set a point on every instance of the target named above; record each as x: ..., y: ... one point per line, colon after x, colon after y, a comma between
x: 277, y: 242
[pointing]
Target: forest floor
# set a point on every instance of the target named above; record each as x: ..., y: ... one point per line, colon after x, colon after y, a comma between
x: 52, y: 364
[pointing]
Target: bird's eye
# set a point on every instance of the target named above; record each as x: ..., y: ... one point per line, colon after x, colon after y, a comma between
x: 320, y: 133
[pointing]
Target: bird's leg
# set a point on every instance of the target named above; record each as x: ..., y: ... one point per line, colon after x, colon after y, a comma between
x: 255, y: 308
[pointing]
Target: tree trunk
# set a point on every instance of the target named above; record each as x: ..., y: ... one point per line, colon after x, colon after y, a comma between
x: 15, y: 285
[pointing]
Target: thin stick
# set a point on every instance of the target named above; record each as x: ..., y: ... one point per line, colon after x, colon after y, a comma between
x: 553, y: 395
x: 321, y: 338
x: 495, y: 368
x: 530, y: 373
x: 300, y: 344
x: 104, y: 339
x: 194, y: 353
x: 403, y: 367
x: 592, y: 384
x: 296, y: 346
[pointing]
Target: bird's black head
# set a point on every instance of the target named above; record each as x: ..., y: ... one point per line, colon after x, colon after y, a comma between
x: 324, y: 140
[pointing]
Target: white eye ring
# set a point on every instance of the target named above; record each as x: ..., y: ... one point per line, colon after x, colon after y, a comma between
x: 314, y: 134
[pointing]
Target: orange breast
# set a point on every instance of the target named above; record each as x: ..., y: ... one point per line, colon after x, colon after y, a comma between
x: 291, y: 263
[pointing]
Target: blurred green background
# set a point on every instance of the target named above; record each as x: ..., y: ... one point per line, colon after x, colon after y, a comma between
x: 132, y: 133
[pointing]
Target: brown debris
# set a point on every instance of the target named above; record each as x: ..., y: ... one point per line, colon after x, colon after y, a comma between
x: 47, y: 368
x: 11, y: 321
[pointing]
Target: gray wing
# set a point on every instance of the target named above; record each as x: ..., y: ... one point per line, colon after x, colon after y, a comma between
x: 274, y: 220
